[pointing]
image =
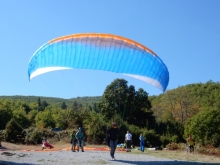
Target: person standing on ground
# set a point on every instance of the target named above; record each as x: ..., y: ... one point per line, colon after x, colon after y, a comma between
x: 73, y: 141
x: 112, y: 135
x: 128, y: 140
x: 190, y: 143
x: 80, y: 137
x: 141, y: 138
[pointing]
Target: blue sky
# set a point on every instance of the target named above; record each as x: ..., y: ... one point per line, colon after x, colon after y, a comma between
x: 184, y: 34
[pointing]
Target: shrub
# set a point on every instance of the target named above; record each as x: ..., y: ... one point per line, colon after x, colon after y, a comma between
x: 209, y: 150
x: 164, y: 140
x: 175, y: 138
x: 33, y: 136
x: 13, y: 132
x: 172, y: 146
x: 2, y: 135
x: 152, y: 138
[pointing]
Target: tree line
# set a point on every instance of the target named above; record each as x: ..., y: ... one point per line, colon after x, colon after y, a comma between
x: 169, y: 117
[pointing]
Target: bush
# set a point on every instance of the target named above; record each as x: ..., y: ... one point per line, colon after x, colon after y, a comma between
x: 164, y: 140
x: 172, y: 146
x: 209, y: 150
x: 33, y: 136
x: 152, y: 139
x: 13, y: 132
x: 204, y: 127
x: 2, y: 137
x: 175, y: 139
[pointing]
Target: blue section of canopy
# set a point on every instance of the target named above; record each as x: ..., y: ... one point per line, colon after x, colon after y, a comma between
x: 107, y: 54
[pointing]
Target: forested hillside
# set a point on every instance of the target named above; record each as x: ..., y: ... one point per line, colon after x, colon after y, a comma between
x: 195, y: 106
x: 85, y: 101
x: 186, y: 101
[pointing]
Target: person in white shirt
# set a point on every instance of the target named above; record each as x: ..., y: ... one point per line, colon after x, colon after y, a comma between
x: 128, y: 140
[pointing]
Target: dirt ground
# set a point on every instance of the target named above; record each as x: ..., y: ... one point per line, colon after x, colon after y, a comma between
x: 57, y: 145
x: 15, y: 147
x: 174, y: 155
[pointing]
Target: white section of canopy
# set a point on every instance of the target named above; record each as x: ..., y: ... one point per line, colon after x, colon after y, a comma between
x: 142, y: 78
x: 147, y: 79
x: 45, y: 70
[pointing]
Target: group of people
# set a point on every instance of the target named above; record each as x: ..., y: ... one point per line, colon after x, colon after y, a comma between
x: 112, y: 137
x: 128, y: 141
x: 113, y: 134
x: 77, y: 137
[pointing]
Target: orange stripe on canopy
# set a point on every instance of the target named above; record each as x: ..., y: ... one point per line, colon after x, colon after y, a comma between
x: 102, y: 36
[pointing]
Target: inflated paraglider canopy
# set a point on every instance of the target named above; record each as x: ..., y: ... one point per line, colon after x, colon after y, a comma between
x: 100, y: 52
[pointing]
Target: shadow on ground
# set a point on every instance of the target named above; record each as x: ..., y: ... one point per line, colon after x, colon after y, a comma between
x: 164, y: 163
x: 13, y: 163
x: 131, y: 163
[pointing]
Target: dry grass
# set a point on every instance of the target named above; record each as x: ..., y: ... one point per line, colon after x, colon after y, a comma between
x: 181, y: 155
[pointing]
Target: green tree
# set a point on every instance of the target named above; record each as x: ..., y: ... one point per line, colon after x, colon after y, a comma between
x: 31, y: 116
x: 72, y: 117
x: 60, y: 118
x: 63, y: 105
x: 5, y: 116
x: 41, y: 105
x: 21, y: 118
x: 94, y: 125
x: 44, y: 105
x: 12, y: 131
x: 205, y: 127
x: 44, y: 119
x: 170, y: 131
x: 20, y: 104
x: 178, y: 104
x: 75, y: 106
x: 122, y: 100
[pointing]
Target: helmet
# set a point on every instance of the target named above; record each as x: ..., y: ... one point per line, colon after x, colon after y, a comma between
x: 80, y: 128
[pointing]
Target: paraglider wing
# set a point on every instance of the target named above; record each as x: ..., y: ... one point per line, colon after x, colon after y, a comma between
x: 100, y: 52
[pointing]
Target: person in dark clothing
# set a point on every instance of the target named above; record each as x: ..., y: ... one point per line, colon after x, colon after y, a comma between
x: 80, y: 137
x: 112, y: 135
x: 73, y: 141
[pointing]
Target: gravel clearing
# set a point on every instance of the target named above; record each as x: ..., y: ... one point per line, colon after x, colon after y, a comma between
x: 84, y: 158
